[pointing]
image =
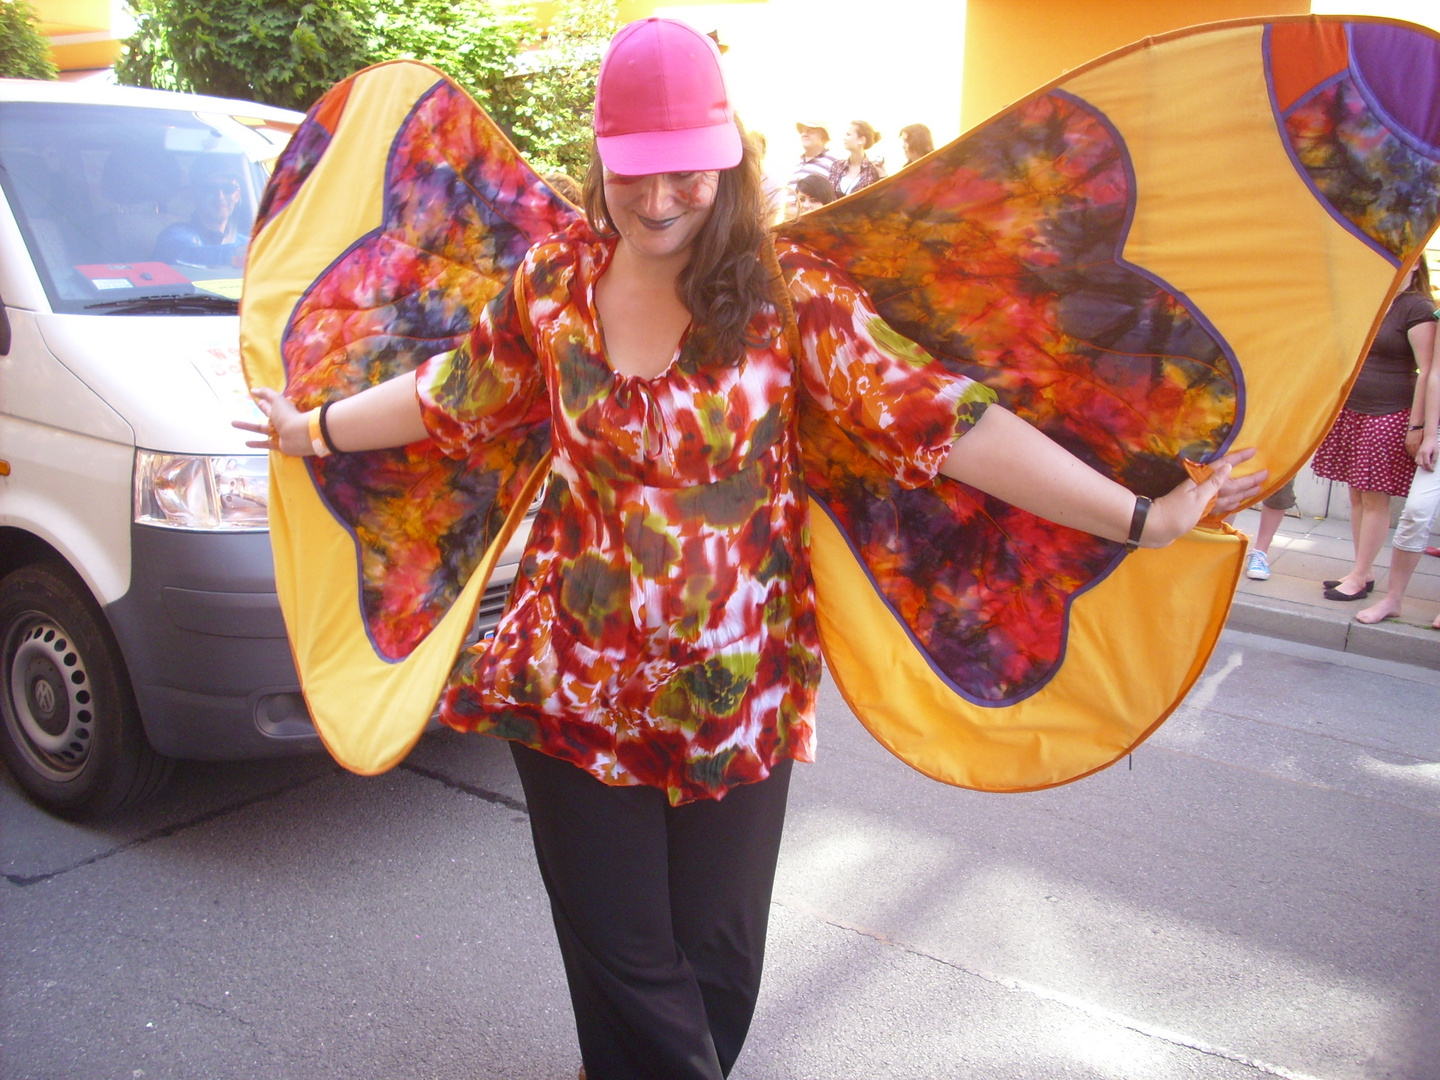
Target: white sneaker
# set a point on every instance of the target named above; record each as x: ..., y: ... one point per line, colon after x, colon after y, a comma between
x: 1257, y: 566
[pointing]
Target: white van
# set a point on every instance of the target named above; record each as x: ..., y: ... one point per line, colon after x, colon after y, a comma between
x: 138, y: 616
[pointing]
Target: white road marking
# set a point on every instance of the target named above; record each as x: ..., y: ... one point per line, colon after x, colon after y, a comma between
x: 1069, y: 1001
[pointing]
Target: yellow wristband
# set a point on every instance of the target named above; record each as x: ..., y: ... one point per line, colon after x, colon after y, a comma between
x: 317, y: 440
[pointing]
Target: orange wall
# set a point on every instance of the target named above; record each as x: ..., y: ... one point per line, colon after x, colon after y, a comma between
x: 79, y: 31
x: 1015, y: 46
x: 72, y: 16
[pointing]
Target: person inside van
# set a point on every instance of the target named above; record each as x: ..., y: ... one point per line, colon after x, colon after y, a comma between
x: 210, y: 237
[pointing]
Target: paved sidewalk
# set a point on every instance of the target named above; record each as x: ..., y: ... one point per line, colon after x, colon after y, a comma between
x: 1307, y: 551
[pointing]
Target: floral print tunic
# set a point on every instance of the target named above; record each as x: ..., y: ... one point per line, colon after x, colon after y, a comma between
x: 662, y: 626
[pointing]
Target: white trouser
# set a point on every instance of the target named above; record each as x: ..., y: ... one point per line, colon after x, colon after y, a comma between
x: 1419, y: 513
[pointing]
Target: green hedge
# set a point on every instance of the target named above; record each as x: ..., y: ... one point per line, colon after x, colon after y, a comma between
x: 24, y: 52
x: 289, y: 52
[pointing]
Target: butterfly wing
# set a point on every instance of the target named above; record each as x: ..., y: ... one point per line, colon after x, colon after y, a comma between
x: 381, y: 557
x: 1142, y: 290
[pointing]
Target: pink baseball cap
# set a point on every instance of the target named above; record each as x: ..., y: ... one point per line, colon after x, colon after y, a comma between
x: 661, y: 105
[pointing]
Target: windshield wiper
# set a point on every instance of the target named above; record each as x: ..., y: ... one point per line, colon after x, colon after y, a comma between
x: 195, y: 303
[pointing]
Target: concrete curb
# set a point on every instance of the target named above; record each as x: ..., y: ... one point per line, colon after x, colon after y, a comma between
x: 1396, y: 641
x: 1289, y: 605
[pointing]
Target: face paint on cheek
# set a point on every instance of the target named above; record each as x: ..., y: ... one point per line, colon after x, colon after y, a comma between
x: 699, y: 192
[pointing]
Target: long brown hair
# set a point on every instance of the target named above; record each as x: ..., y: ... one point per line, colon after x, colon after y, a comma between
x: 918, y: 139
x: 1420, y: 279
x: 725, y: 283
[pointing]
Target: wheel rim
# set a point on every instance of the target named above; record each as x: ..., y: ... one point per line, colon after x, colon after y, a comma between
x: 50, y: 710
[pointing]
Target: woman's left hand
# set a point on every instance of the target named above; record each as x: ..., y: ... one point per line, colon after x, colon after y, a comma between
x: 1428, y: 452
x: 1188, y: 503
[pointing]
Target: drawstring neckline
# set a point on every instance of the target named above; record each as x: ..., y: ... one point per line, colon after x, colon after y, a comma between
x: 652, y: 418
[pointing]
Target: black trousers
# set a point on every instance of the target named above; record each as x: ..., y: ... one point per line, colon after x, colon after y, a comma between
x: 661, y: 914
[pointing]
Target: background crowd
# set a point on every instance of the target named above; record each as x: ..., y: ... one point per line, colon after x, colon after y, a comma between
x: 821, y: 176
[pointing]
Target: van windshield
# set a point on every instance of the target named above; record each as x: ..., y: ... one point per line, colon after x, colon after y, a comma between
x: 130, y: 210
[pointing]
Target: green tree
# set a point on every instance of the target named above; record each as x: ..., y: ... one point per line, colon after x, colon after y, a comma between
x: 145, y: 58
x: 548, y: 102
x: 473, y: 41
x: 24, y: 52
x: 289, y: 52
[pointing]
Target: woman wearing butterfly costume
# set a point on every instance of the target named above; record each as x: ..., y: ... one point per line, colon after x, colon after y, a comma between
x: 656, y: 668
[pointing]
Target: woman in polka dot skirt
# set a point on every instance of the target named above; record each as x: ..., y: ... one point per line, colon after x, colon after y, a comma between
x: 1366, y: 449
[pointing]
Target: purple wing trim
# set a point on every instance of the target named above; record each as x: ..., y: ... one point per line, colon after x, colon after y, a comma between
x: 303, y: 152
x: 1001, y: 256
x: 1367, y: 138
x: 461, y: 209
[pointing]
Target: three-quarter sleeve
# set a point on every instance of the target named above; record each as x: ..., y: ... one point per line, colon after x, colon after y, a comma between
x: 488, y: 385
x: 882, y: 389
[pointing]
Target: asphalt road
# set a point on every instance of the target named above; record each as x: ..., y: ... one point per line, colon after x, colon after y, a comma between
x: 1255, y: 896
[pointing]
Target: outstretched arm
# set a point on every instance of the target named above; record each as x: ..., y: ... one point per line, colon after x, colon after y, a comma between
x: 488, y: 384
x: 1012, y: 460
x: 384, y: 415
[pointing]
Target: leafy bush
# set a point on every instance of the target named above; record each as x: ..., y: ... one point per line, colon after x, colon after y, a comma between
x: 289, y: 52
x: 24, y: 52
x: 548, y: 102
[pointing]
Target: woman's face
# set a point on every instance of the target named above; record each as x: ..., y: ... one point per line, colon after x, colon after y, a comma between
x: 661, y: 214
x: 805, y: 203
x: 905, y: 148
x: 853, y: 139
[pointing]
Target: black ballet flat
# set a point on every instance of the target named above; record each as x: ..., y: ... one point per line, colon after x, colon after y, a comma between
x: 1369, y: 585
x: 1336, y: 594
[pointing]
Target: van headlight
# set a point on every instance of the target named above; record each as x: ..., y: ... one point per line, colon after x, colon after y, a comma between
x: 184, y: 491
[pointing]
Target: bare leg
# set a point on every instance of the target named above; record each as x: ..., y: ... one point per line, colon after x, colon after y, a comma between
x: 1357, y: 511
x: 1374, y: 524
x: 1357, y: 517
x: 1402, y: 566
x: 1270, y: 519
x: 1369, y: 522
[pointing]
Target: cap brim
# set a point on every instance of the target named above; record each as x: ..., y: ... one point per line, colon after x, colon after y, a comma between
x: 642, y: 153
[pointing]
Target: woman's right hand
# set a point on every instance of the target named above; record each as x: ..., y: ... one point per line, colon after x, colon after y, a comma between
x: 286, y: 429
x: 1428, y: 452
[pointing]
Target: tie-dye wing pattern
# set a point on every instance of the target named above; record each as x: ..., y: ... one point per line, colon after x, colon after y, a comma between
x: 302, y: 153
x: 461, y: 209
x: 1081, y: 255
x: 1365, y: 127
x: 1147, y: 293
x: 1001, y: 256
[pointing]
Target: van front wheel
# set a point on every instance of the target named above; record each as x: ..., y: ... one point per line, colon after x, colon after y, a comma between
x: 71, y: 734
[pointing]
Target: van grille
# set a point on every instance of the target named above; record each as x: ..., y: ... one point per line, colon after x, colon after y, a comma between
x: 492, y: 604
